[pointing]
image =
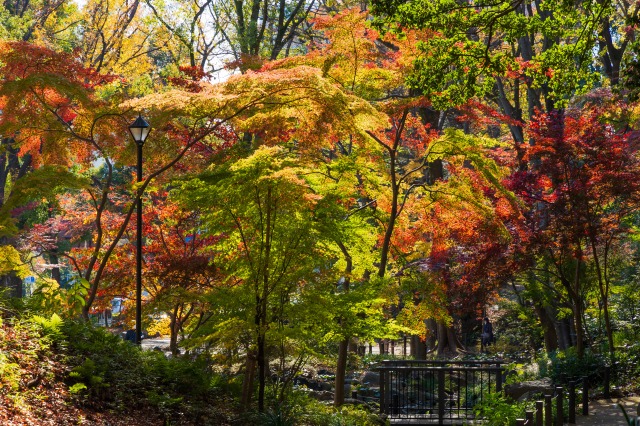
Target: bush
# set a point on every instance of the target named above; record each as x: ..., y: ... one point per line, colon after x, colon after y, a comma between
x: 108, y: 372
x: 497, y: 410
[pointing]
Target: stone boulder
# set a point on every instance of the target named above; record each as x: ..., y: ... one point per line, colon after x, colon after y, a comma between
x: 321, y: 395
x: 370, y: 379
x: 525, y: 390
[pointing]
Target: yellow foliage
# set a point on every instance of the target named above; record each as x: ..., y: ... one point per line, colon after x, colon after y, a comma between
x: 10, y: 261
x: 160, y: 326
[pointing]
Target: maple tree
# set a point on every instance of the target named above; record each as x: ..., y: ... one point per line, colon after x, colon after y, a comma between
x: 71, y: 123
x: 266, y: 242
x: 583, y: 180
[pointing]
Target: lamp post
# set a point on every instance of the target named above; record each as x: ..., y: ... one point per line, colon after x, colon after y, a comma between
x: 139, y: 130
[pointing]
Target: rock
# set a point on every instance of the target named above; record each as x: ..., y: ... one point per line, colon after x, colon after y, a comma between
x: 523, y: 390
x: 370, y: 378
x: 324, y: 386
x: 357, y: 402
x: 321, y: 395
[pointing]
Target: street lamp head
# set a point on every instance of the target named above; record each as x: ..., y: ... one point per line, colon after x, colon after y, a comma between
x: 139, y: 130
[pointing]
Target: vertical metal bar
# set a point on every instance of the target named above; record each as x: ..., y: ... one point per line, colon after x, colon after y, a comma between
x: 382, y: 392
x: 459, y: 390
x: 559, y: 406
x: 139, y: 251
x: 466, y: 393
x: 441, y: 395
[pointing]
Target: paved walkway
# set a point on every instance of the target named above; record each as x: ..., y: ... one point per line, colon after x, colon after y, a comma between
x: 606, y: 412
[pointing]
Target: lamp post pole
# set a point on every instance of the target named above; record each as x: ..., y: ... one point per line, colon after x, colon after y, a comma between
x: 139, y: 130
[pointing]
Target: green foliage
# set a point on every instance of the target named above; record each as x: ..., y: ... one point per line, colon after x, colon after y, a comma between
x: 51, y: 327
x: 49, y: 298
x: 519, y: 331
x: 497, y: 410
x: 565, y: 366
x: 468, y: 49
x: 108, y: 371
x: 300, y: 409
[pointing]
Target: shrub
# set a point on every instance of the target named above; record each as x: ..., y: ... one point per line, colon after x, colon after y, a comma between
x: 497, y: 410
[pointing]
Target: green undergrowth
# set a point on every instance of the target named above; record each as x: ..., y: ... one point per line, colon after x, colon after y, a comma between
x: 98, y: 372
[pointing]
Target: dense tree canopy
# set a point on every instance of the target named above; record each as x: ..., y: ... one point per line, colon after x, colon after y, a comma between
x: 320, y: 177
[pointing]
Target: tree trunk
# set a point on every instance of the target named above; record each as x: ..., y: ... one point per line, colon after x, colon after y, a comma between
x: 564, y: 335
x: 418, y: 348
x: 247, y: 382
x: 448, y: 344
x: 262, y: 371
x: 341, y: 369
x: 174, y: 329
x: 549, y: 331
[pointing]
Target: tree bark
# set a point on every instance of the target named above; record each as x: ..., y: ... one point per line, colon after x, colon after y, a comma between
x: 338, y: 398
x: 247, y: 382
x: 549, y: 331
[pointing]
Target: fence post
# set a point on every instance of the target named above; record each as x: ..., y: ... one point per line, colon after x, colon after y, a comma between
x: 382, y: 392
x: 572, y: 402
x: 548, y: 411
x: 529, y: 418
x: 559, y: 406
x: 499, y: 380
x: 539, y: 409
x: 441, y: 395
x: 607, y: 382
x: 395, y: 406
x: 585, y: 396
x: 519, y: 422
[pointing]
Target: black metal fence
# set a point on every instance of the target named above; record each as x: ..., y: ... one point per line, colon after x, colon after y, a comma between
x: 436, y: 391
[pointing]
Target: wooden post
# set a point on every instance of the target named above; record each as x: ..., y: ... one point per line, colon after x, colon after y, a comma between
x: 607, y: 382
x: 529, y: 418
x: 559, y: 407
x: 539, y: 410
x: 585, y: 396
x: 519, y: 422
x: 572, y: 402
x: 499, y: 380
x: 548, y: 410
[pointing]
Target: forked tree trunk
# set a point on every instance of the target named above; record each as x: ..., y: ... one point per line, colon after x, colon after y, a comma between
x: 448, y: 343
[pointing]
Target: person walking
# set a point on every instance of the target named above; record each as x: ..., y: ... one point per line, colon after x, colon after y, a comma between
x: 487, y: 332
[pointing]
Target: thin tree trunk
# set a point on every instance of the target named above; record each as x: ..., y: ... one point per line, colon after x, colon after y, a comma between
x: 341, y: 367
x: 343, y: 349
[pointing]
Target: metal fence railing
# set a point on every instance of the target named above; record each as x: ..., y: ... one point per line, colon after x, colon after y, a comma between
x: 436, y: 391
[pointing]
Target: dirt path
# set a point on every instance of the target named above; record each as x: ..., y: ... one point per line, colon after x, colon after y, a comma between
x: 607, y: 413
